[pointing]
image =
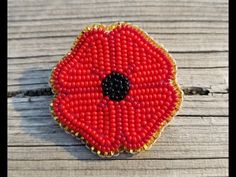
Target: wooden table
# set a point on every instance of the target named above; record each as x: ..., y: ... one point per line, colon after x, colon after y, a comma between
x: 196, y: 34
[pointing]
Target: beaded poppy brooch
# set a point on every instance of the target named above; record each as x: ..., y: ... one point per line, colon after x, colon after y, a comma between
x: 115, y: 90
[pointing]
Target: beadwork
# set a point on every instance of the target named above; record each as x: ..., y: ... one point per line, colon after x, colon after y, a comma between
x: 115, y: 90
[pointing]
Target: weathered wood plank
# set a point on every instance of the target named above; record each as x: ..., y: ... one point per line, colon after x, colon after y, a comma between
x: 174, y: 42
x: 44, y: 130
x: 179, y: 10
x: 159, y: 150
x: 30, y: 122
x: 175, y: 136
x: 33, y: 76
x: 184, y: 60
x: 192, y: 105
x: 179, y: 13
x: 70, y: 28
x: 184, y: 134
x: 195, y: 32
x: 140, y: 168
x: 208, y: 172
x: 14, y: 122
x: 118, y: 164
x: 29, y: 4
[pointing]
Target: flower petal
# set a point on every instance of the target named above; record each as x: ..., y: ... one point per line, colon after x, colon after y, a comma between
x: 92, y: 117
x: 72, y: 77
x: 133, y: 51
x: 150, y: 110
x: 90, y: 55
x: 93, y: 47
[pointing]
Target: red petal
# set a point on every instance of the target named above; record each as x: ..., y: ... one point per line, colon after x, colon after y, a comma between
x: 133, y: 52
x: 90, y: 58
x: 92, y: 117
x: 72, y: 77
x: 93, y: 48
x: 151, y: 108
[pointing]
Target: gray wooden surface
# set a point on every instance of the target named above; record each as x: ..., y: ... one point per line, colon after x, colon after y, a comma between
x: 196, y: 34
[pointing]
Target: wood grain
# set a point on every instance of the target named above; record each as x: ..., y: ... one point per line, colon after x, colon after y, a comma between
x: 214, y: 79
x: 173, y: 42
x: 201, y: 167
x: 196, y: 34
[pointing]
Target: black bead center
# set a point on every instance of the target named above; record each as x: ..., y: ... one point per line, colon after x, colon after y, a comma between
x: 116, y: 86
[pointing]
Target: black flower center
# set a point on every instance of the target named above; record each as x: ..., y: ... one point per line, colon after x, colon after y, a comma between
x: 116, y: 86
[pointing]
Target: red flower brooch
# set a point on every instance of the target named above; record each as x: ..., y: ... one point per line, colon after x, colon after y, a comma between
x: 115, y: 90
